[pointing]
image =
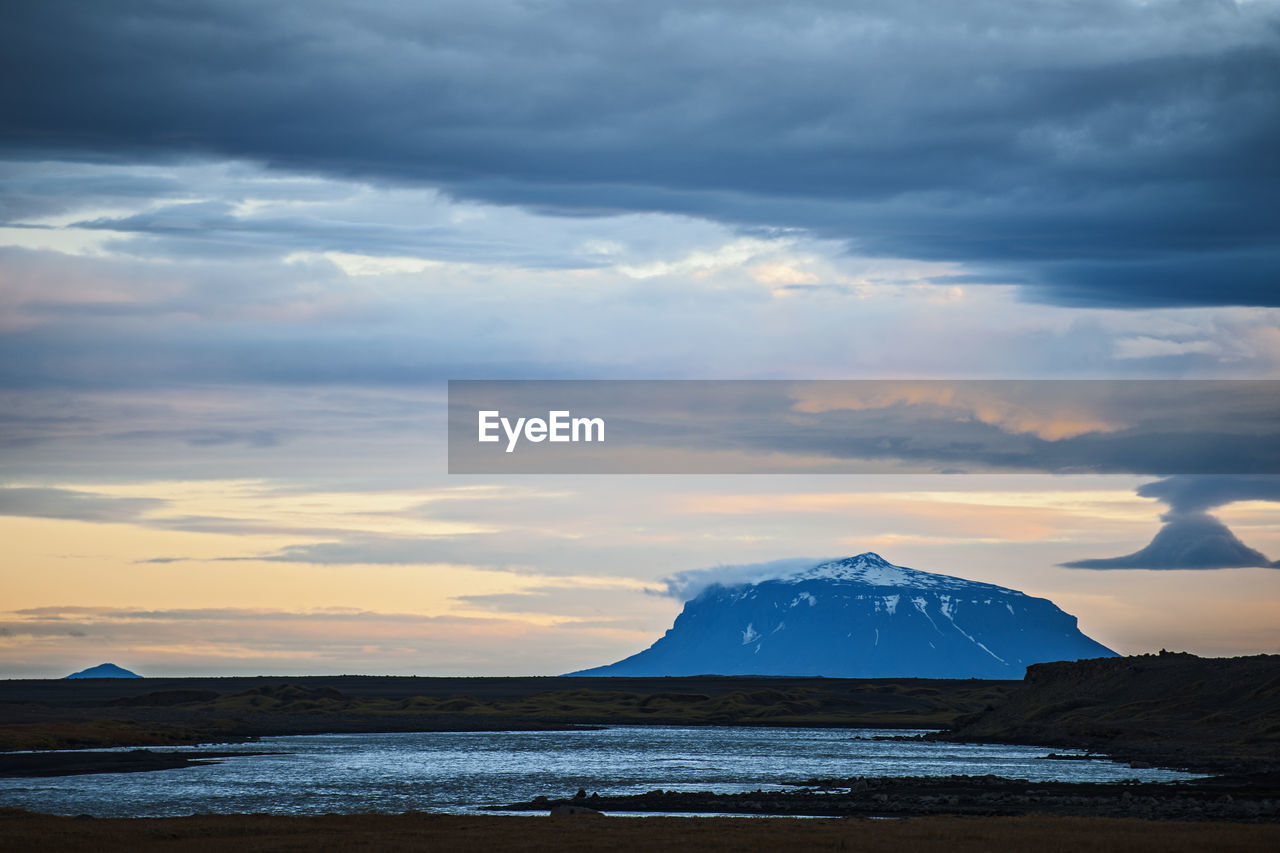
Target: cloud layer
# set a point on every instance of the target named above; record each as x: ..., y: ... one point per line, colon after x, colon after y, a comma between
x: 878, y: 426
x: 1100, y: 153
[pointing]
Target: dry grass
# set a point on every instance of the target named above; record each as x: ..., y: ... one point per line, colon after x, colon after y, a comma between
x: 91, y: 734
x: 187, y: 714
x: 920, y: 706
x: 21, y: 831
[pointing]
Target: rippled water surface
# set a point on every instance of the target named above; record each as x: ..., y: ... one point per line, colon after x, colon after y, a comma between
x: 462, y: 771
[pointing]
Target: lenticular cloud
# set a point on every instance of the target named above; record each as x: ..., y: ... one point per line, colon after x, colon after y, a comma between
x: 1192, y: 538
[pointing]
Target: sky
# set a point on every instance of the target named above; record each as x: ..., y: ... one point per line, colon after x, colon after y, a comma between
x: 243, y: 247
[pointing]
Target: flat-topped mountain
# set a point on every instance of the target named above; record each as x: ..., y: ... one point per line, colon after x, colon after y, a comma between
x: 862, y: 617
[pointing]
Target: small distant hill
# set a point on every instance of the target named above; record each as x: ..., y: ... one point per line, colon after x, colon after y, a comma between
x: 104, y: 670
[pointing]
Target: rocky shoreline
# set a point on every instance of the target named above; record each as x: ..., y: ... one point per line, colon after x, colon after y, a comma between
x: 1246, y: 799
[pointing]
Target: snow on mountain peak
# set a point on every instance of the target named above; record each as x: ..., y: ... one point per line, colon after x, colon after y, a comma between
x: 873, y: 570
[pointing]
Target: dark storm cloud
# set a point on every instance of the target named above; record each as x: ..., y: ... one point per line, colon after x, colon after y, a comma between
x: 1191, y: 538
x: 1104, y: 152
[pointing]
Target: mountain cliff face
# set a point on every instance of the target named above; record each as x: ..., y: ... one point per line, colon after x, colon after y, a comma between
x: 1213, y: 715
x: 862, y: 617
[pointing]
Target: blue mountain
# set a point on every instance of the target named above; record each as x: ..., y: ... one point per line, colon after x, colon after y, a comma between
x: 104, y: 670
x: 862, y: 617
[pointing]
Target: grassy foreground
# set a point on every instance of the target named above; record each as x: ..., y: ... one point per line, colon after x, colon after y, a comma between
x: 23, y: 831
x: 85, y: 713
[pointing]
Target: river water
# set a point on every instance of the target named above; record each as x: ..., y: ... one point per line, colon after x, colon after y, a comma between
x: 464, y: 771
